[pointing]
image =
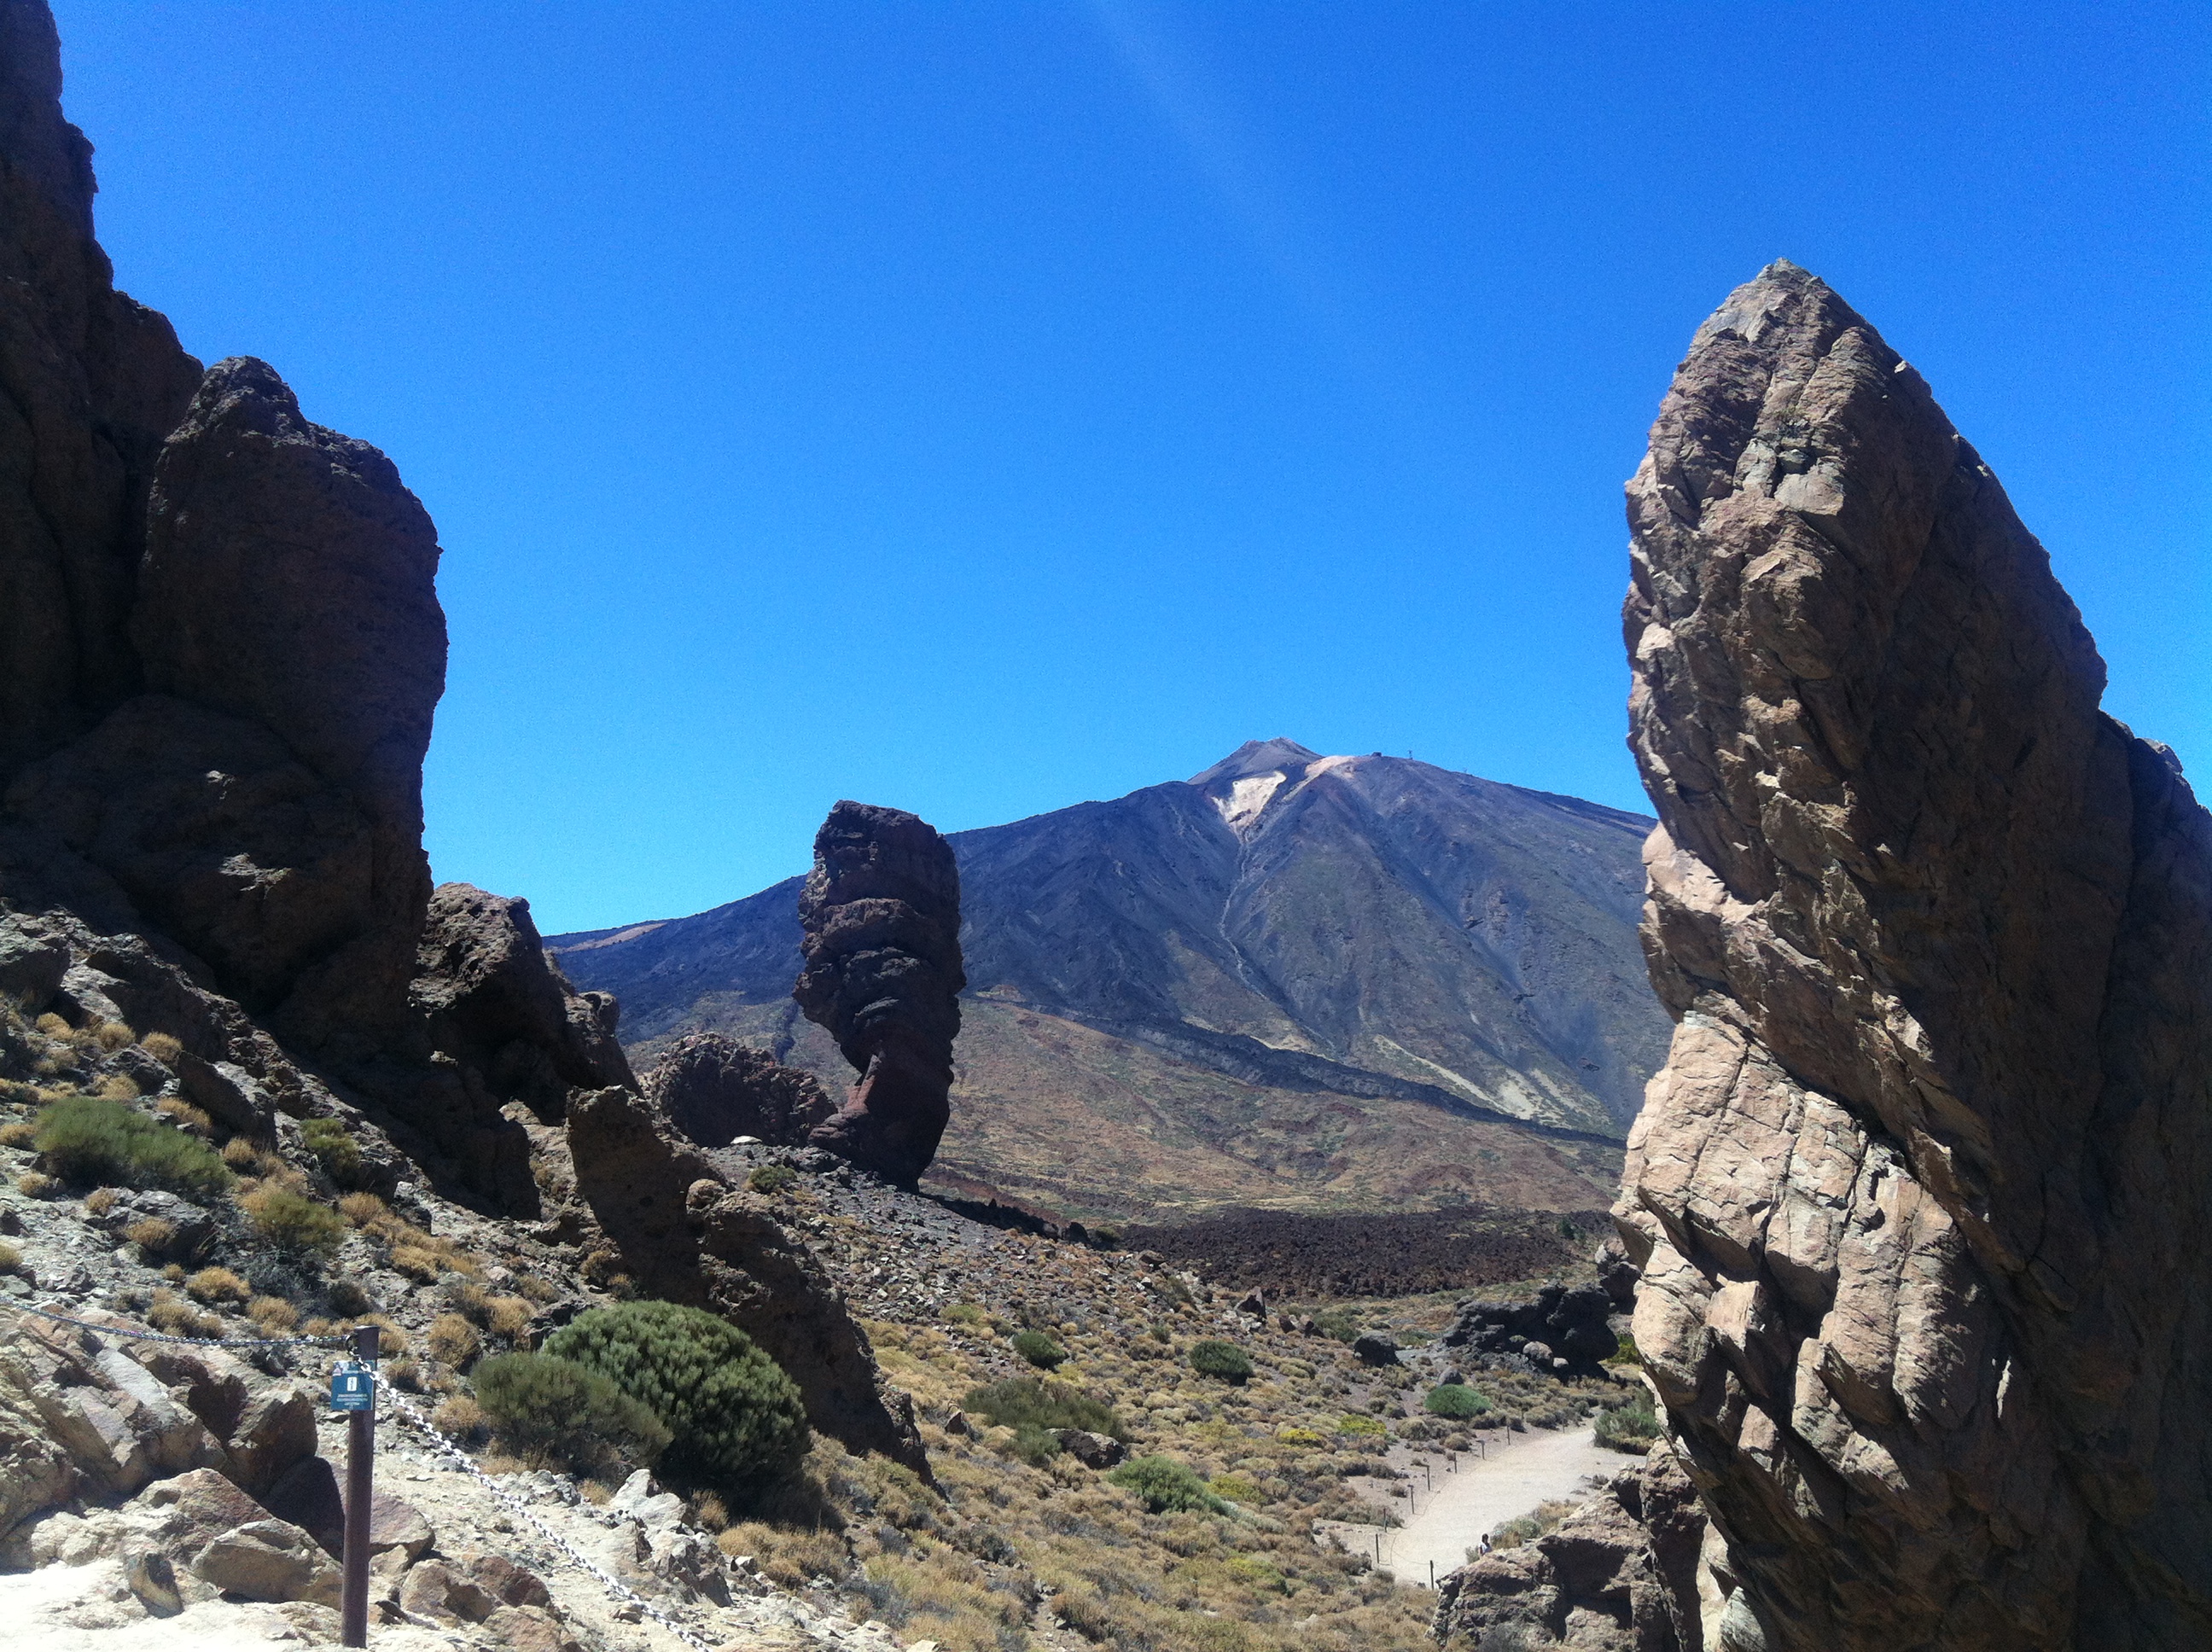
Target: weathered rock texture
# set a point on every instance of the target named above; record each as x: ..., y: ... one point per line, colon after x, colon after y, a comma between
x: 1560, y: 1331
x: 687, y: 1234
x: 1619, y: 1574
x: 714, y: 1090
x: 1921, y: 1193
x: 881, y: 918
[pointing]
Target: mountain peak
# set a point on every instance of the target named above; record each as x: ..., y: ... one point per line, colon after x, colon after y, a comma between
x: 1256, y: 757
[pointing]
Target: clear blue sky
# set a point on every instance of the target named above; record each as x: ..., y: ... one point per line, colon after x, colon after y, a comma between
x: 978, y: 408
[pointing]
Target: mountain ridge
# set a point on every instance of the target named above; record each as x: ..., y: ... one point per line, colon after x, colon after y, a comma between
x: 1340, y: 933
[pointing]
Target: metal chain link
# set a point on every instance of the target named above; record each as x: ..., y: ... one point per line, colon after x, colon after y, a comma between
x: 192, y: 1342
x: 409, y: 1414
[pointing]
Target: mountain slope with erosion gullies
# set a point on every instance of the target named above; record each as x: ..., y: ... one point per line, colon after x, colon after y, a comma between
x: 1293, y: 979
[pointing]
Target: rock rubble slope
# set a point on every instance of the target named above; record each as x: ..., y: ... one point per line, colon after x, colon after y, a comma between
x: 1920, y: 1193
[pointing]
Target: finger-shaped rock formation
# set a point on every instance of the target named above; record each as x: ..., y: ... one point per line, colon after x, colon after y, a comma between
x: 1920, y: 1193
x: 881, y: 918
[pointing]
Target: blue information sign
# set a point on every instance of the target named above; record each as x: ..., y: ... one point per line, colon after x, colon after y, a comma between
x: 352, y: 1388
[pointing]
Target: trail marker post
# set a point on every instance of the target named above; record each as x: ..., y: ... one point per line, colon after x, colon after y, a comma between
x: 353, y: 1391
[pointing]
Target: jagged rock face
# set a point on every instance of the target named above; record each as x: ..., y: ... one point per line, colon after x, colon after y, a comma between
x: 1619, y: 1574
x: 686, y: 1234
x: 1568, y: 1327
x: 714, y: 1090
x: 881, y: 918
x: 1919, y: 1194
x: 90, y: 382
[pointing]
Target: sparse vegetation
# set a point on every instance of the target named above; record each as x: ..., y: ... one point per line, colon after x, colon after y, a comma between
x: 84, y: 1139
x: 1633, y: 1428
x: 1213, y: 1357
x: 1166, y: 1486
x: 550, y: 1410
x: 735, y: 1419
x: 336, y: 1152
x: 1455, y: 1401
x: 153, y: 1235
x: 294, y: 1222
x: 452, y: 1341
x: 1040, y: 1349
x: 1039, y: 1402
x: 1525, y: 1528
x: 772, y: 1178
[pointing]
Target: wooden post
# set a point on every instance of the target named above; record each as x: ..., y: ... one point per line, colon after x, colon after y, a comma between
x: 361, y: 1453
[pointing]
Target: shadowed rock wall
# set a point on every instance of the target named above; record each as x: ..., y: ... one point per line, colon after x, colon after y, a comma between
x: 1921, y: 1193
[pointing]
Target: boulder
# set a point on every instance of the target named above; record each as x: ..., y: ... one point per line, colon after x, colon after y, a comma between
x: 1918, y: 1198
x: 274, y: 1431
x: 1091, y: 1450
x: 879, y: 919
x: 119, y: 1426
x: 268, y: 1560
x: 34, y: 958
x: 1573, y: 1325
x: 1373, y: 1348
x: 717, y: 1091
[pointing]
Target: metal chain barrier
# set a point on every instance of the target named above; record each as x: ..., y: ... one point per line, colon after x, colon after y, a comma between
x: 189, y: 1342
x: 407, y: 1413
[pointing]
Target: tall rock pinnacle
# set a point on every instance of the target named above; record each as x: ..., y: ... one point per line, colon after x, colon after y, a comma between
x: 881, y: 918
x: 1921, y: 1194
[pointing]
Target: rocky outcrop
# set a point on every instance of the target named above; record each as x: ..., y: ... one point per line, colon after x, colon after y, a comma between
x: 685, y: 1234
x: 1918, y: 1195
x: 881, y: 918
x: 1619, y: 1574
x: 714, y: 1090
x: 1561, y: 1331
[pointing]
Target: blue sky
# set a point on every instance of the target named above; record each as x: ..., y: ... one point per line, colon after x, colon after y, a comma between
x: 978, y: 408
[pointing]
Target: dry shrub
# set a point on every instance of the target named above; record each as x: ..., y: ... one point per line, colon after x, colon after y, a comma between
x: 174, y: 1273
x: 462, y: 1418
x: 238, y: 1153
x: 390, y: 1340
x: 19, y: 1134
x: 173, y: 1314
x: 363, y: 1209
x: 10, y: 1258
x: 419, y: 1265
x: 274, y: 1316
x: 112, y: 1035
x: 188, y: 1117
x: 452, y: 1341
x: 162, y: 1047
x: 405, y: 1373
x: 217, y: 1284
x: 347, y: 1298
x: 101, y: 1201
x: 153, y: 1235
x: 53, y: 1025
x: 117, y: 1088
x: 537, y: 1289
x: 33, y: 1185
x: 509, y: 1316
x: 711, y: 1511
x: 790, y: 1558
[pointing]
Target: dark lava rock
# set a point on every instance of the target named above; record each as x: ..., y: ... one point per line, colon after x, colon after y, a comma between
x: 1373, y: 1348
x: 1570, y: 1325
x: 881, y: 918
x: 1091, y: 1450
x: 714, y: 1090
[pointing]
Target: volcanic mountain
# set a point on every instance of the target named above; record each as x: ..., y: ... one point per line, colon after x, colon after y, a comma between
x: 1292, y: 981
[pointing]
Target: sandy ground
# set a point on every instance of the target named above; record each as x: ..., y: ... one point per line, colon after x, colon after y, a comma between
x: 1444, y: 1523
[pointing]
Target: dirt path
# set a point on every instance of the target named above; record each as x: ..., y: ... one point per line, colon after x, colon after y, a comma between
x: 1447, y: 1522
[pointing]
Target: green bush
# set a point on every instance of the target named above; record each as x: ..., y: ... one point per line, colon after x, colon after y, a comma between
x: 293, y: 1222
x: 89, y: 1140
x: 1625, y: 1352
x: 1039, y: 1349
x: 772, y: 1178
x: 1034, y: 1401
x: 1633, y: 1427
x: 1035, y: 1445
x: 1337, y: 1323
x: 735, y: 1418
x: 1225, y: 1360
x: 1167, y: 1486
x: 1352, y: 1423
x: 1456, y: 1400
x: 336, y: 1152
x: 552, y: 1411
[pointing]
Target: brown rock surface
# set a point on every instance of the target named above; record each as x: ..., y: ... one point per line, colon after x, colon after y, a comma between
x: 1918, y: 1197
x: 880, y: 914
x: 686, y: 1234
x: 714, y: 1090
x: 1619, y: 1574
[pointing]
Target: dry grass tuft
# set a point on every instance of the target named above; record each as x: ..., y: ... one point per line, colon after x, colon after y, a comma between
x: 162, y: 1047
x: 217, y: 1284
